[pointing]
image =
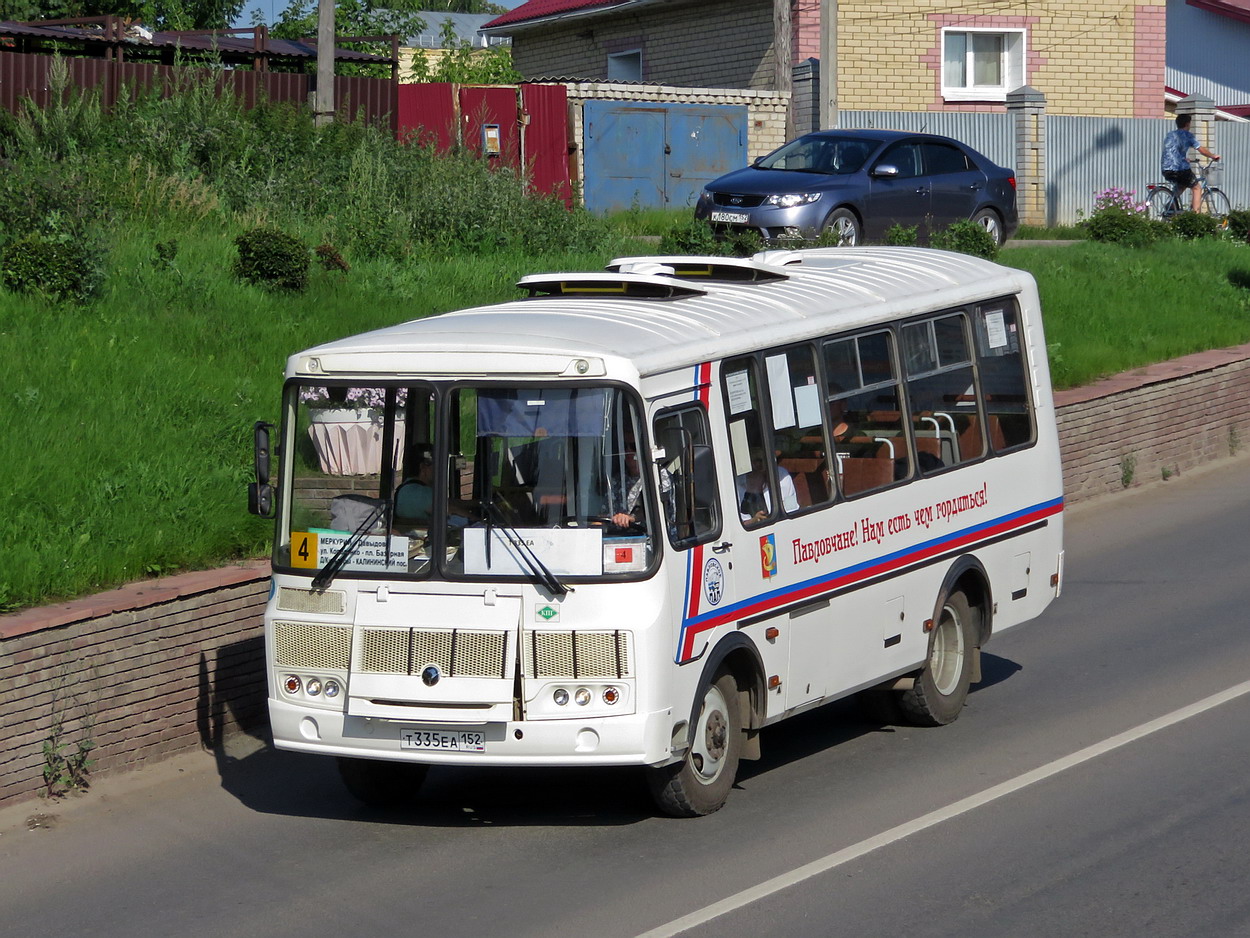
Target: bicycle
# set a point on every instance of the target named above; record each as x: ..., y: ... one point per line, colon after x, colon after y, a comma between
x: 1165, y: 201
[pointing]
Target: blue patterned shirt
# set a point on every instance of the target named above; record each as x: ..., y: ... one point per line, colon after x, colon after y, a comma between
x: 1176, y: 146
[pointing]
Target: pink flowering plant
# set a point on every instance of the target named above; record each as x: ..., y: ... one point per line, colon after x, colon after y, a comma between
x: 1123, y: 199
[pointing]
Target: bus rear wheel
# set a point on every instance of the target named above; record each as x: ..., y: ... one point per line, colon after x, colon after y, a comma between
x: 381, y: 784
x: 941, y: 688
x: 700, y: 783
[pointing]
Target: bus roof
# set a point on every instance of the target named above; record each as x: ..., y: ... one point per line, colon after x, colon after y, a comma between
x: 659, y: 313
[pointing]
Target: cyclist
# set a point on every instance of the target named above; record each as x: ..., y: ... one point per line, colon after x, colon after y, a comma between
x: 1176, y: 168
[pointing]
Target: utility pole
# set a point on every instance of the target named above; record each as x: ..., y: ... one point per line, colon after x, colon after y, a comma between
x: 828, y: 64
x: 783, y: 55
x: 323, y: 97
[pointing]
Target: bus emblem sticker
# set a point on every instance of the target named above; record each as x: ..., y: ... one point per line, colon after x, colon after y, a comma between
x: 768, y: 556
x: 713, y: 581
x: 546, y: 613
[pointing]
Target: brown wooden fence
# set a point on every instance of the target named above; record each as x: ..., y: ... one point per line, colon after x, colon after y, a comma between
x: 26, y: 75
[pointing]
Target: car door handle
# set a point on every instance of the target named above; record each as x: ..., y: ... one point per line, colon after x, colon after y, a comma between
x: 722, y: 547
x: 975, y: 186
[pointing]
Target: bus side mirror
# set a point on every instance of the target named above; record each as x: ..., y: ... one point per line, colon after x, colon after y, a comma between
x: 260, y: 492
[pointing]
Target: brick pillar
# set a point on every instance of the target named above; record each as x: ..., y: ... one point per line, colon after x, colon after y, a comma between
x: 1028, y: 105
x: 1202, y: 110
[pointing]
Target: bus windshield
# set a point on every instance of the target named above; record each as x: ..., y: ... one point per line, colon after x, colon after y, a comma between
x: 521, y: 481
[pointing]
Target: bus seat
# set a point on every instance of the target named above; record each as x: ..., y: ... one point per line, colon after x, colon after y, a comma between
x: 929, y: 444
x: 802, y: 493
x: 860, y: 475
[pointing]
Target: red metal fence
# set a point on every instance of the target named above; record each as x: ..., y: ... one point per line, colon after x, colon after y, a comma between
x: 529, y: 124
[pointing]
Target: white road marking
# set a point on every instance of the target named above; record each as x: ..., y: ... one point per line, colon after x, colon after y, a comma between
x: 933, y: 818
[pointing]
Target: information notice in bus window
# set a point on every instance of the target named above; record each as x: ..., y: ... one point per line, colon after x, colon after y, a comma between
x: 312, y: 550
x: 564, y: 551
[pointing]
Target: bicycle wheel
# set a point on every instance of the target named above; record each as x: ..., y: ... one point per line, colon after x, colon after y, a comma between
x: 1215, y: 204
x: 1162, y: 204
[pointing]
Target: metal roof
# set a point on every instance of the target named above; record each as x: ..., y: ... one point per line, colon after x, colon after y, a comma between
x: 823, y: 290
x: 224, y: 41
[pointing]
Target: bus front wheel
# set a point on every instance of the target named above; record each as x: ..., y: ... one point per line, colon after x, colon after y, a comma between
x: 941, y: 688
x: 381, y: 784
x: 699, y: 784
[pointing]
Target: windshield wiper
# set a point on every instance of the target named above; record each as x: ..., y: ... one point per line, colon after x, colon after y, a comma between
x: 335, y: 563
x: 541, y: 572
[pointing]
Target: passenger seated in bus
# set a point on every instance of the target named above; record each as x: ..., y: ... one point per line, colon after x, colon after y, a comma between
x: 414, y: 499
x: 754, y: 499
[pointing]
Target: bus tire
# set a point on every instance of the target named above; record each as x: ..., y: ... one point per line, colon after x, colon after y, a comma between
x: 381, y: 784
x: 941, y: 687
x: 700, y: 783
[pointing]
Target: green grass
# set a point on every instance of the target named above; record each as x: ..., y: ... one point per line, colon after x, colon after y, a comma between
x: 128, y: 440
x: 1109, y: 308
x: 1057, y: 233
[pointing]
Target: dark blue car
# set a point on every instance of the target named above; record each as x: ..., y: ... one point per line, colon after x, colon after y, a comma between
x: 858, y: 183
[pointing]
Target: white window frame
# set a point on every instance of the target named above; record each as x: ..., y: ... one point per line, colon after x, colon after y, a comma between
x: 1011, y: 66
x: 618, y: 59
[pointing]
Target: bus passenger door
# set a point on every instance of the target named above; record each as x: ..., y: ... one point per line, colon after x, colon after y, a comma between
x: 700, y: 574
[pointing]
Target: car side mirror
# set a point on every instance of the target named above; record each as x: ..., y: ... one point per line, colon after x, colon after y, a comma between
x: 886, y: 171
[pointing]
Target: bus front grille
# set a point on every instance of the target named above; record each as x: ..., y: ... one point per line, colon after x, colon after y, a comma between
x: 455, y: 652
x: 304, y: 645
x: 554, y: 654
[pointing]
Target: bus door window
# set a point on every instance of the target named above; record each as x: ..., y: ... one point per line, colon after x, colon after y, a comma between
x: 687, y: 476
x: 864, y: 405
x: 795, y: 394
x: 1000, y: 363
x: 755, y: 468
x: 941, y: 386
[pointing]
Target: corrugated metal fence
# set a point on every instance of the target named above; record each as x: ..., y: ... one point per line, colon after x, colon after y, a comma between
x: 1084, y: 155
x: 26, y: 76
x: 990, y: 134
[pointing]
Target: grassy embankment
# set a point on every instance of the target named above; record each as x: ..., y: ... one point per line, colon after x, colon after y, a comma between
x: 128, y: 418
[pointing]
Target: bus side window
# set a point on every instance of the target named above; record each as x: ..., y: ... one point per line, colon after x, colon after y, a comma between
x: 756, y: 474
x: 865, y: 409
x: 687, y: 476
x: 1000, y: 361
x: 942, y: 387
x: 798, y: 425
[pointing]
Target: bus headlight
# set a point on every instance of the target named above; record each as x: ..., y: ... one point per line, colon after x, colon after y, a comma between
x: 313, y: 687
x: 611, y: 695
x: 333, y: 688
x: 561, y: 696
x: 582, y: 697
x: 292, y: 684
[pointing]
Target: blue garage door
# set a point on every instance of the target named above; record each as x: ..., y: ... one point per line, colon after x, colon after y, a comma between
x: 656, y: 155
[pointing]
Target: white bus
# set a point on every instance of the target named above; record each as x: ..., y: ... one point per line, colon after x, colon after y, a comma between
x: 642, y: 514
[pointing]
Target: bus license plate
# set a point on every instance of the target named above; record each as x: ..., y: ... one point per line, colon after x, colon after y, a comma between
x: 442, y: 741
x: 733, y: 218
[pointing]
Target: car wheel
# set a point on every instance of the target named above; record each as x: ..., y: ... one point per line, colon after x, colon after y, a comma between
x: 988, y: 219
x: 844, y: 226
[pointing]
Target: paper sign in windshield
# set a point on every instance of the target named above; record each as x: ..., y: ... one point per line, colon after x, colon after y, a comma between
x: 313, y: 550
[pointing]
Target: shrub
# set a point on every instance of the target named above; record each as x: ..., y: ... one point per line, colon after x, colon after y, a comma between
x: 966, y: 237
x: 901, y: 235
x: 1125, y: 200
x: 59, y: 268
x: 1194, y: 225
x: 694, y: 237
x: 1117, y: 225
x: 1239, y: 224
x: 272, y: 258
x: 330, y: 259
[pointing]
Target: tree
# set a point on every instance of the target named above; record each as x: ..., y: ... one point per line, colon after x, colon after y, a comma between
x: 460, y: 62
x: 354, y: 18
x: 157, y: 14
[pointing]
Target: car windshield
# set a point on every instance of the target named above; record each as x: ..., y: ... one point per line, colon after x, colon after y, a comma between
x: 520, y: 481
x: 821, y: 153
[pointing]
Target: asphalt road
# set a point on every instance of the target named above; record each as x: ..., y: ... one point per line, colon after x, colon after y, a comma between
x: 1097, y: 784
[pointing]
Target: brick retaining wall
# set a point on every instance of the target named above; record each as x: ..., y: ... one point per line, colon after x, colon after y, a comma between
x: 166, y: 666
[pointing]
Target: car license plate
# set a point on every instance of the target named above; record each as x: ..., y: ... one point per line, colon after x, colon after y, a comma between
x: 443, y: 741
x: 732, y: 218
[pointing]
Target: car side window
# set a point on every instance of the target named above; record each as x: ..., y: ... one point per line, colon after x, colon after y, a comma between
x: 941, y: 158
x: 906, y: 156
